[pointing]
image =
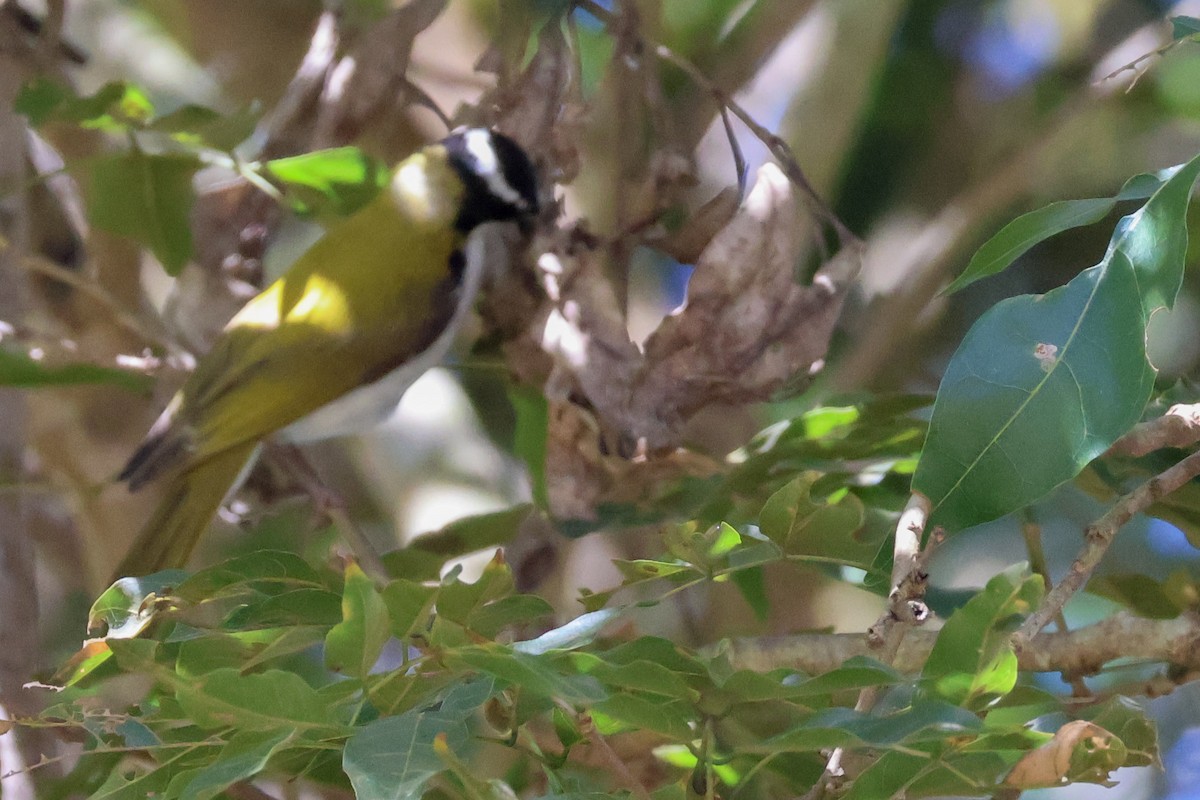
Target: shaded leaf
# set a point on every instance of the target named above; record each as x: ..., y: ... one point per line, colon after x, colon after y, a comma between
x: 1145, y: 596
x: 394, y: 758
x: 530, y: 437
x: 265, y: 701
x: 1018, y: 236
x: 531, y: 674
x: 245, y: 756
x: 1041, y: 385
x: 1182, y: 27
x: 149, y: 199
x: 1128, y: 720
x: 930, y: 720
x: 18, y: 370
x: 630, y: 711
x: 804, y: 526
x: 425, y: 556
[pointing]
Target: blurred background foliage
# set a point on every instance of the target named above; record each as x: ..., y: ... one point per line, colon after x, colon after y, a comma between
x: 925, y: 124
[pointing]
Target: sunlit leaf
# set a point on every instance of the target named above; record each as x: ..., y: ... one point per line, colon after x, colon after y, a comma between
x: 972, y: 656
x: 342, y: 179
x: 354, y: 644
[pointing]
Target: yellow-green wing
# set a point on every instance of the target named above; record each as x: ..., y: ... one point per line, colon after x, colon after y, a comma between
x: 364, y: 299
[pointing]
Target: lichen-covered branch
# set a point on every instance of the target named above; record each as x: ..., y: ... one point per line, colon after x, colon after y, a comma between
x: 1085, y: 651
x: 1099, y: 536
x: 1179, y: 427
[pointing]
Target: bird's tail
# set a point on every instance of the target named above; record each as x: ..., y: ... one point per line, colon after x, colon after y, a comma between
x: 191, y: 500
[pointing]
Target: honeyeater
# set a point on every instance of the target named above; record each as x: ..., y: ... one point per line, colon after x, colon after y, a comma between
x: 329, y: 347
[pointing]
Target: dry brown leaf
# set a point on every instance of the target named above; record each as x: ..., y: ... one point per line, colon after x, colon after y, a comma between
x: 747, y: 326
x: 367, y: 84
x: 539, y: 108
x: 686, y: 244
x: 1052, y: 763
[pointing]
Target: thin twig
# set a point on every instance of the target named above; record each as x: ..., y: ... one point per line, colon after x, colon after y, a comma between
x: 931, y: 255
x: 1082, y: 651
x: 1099, y: 536
x: 906, y: 609
x: 619, y: 768
x: 124, y: 317
x: 778, y: 148
x: 1032, y: 533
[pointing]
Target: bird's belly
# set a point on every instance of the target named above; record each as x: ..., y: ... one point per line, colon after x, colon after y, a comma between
x: 363, y: 408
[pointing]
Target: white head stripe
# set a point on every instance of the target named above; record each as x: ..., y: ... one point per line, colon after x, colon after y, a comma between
x: 479, y: 145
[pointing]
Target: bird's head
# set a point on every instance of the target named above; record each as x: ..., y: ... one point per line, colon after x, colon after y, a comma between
x: 499, y: 179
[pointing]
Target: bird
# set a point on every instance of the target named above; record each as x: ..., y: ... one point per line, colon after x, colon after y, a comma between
x: 329, y: 348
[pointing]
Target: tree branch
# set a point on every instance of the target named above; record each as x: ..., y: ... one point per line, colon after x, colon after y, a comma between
x: 1083, y: 651
x: 1099, y: 536
x: 1179, y: 427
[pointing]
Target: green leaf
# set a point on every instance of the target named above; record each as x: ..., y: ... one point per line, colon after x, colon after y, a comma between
x: 1128, y: 720
x: 265, y: 701
x: 291, y: 640
x: 888, y: 776
x: 459, y: 601
x: 394, y: 758
x: 1184, y: 27
x: 824, y: 529
x: 266, y: 571
x: 751, y: 582
x: 1145, y: 596
x: 641, y: 675
x: 972, y: 656
x: 354, y: 644
x: 1017, y: 237
x: 856, y: 673
x: 116, y: 106
x: 124, y: 785
x: 529, y: 437
x: 292, y: 607
x: 425, y: 556
x: 409, y: 605
x: 1020, y: 707
x: 861, y: 429
x: 245, y: 756
x: 18, y: 370
x: 342, y: 179
x: 147, y: 198
x: 630, y: 711
x: 1041, y: 385
x: 929, y: 720
x: 194, y: 124
x: 520, y: 609
x: 531, y: 674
